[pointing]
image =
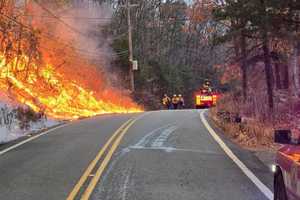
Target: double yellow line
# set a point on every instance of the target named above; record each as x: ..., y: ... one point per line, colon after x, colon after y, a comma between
x: 113, y: 142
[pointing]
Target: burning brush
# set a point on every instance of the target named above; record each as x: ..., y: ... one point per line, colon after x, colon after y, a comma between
x: 50, y: 76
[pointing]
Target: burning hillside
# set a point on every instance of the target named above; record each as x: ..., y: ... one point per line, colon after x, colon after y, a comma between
x: 47, y: 73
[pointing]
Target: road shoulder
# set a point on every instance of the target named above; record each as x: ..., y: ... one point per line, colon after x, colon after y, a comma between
x: 28, y: 135
x: 258, y: 162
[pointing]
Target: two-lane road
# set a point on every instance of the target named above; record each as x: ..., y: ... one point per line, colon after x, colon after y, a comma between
x: 150, y: 156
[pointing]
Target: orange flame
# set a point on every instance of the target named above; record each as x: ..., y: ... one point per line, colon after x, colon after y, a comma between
x: 56, y: 80
x: 44, y: 89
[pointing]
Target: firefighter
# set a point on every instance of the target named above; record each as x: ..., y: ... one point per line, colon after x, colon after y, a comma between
x: 180, y: 101
x: 166, y: 101
x: 207, y: 86
x: 175, y: 102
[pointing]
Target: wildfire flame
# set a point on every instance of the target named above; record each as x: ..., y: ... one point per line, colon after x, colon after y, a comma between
x: 44, y: 89
x: 56, y: 80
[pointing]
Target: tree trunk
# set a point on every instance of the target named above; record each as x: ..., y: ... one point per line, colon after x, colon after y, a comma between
x: 268, y: 71
x: 295, y: 69
x: 277, y: 75
x: 286, y: 77
x: 244, y: 67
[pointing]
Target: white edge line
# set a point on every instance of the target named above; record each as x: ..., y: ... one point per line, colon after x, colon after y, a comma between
x: 262, y: 187
x: 30, y: 139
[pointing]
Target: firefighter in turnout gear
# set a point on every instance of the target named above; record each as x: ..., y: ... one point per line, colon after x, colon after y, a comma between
x: 175, y: 102
x: 207, y: 85
x: 180, y: 101
x: 166, y: 101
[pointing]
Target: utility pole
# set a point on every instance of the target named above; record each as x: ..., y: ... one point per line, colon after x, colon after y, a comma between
x: 131, y: 71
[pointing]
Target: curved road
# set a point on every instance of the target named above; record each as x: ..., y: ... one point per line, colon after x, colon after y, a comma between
x: 158, y: 155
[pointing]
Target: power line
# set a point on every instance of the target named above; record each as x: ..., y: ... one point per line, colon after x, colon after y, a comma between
x: 59, y: 19
x: 72, y: 17
x: 51, y: 37
x: 92, y: 53
x: 72, y: 56
x: 75, y: 56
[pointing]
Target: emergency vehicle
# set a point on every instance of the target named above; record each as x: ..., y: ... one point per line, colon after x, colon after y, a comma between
x: 287, y: 168
x: 205, y: 99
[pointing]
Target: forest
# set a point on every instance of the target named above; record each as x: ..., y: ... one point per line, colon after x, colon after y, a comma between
x: 248, y: 49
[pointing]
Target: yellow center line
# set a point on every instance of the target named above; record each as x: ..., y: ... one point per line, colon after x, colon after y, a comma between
x: 96, y: 178
x: 92, y: 165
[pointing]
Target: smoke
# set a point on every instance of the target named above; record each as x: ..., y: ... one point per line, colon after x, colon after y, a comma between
x: 80, y: 24
x: 89, y: 18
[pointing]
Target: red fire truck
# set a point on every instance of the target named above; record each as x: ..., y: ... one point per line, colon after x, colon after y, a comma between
x: 205, y: 98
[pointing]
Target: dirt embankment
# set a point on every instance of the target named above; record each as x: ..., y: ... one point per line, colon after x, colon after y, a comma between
x: 251, y: 125
x: 247, y: 133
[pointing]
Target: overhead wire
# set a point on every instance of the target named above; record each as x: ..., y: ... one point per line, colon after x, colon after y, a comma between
x: 59, y: 19
x: 51, y: 37
x: 73, y: 17
x: 66, y: 24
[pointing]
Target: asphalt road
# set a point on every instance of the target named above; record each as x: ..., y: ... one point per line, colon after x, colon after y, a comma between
x: 155, y: 156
